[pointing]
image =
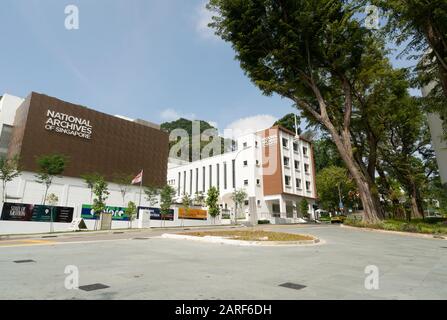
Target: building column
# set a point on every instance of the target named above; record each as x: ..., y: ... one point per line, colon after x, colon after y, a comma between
x: 282, y: 207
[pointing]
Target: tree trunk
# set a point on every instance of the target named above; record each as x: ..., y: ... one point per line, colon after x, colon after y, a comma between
x: 372, y: 208
x: 417, y: 207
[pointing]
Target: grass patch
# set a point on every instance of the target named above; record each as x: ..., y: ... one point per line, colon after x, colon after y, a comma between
x: 252, y: 235
x: 427, y: 226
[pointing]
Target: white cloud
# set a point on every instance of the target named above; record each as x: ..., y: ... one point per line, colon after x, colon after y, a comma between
x: 170, y: 114
x: 203, y: 19
x: 249, y: 125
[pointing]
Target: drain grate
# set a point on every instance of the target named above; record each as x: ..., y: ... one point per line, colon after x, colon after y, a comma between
x: 291, y: 285
x: 24, y: 261
x: 93, y: 287
x: 49, y: 236
x: 140, y: 238
x: 118, y: 232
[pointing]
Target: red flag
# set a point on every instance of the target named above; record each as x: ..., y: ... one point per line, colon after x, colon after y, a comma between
x: 138, y: 178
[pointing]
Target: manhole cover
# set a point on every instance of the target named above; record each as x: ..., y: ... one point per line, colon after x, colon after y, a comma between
x: 24, y: 261
x: 291, y: 285
x: 93, y: 287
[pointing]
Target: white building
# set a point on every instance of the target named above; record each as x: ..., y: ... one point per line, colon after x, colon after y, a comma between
x: 437, y: 134
x: 275, y: 167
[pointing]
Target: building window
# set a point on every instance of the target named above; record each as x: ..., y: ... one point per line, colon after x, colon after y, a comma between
x: 245, y: 163
x: 297, y: 165
x: 257, y: 163
x: 245, y: 145
x: 233, y: 164
x: 245, y: 182
x: 258, y: 182
x: 304, y: 151
x: 190, y: 181
x: 203, y: 179
x: 298, y: 183
x: 197, y: 179
x: 286, y: 161
x: 256, y: 144
x: 258, y: 202
x: 179, y: 185
x: 295, y: 147
x: 287, y: 178
x: 246, y: 202
x: 307, y: 186
x: 285, y: 143
x: 218, y: 175
x: 184, y: 182
x: 225, y: 175
x: 211, y: 176
x: 306, y: 168
x: 5, y: 139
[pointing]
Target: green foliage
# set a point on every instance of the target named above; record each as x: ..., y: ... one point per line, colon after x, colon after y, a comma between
x: 329, y: 181
x: 50, y: 166
x: 288, y: 122
x: 123, y: 181
x: 53, y: 164
x: 186, y: 202
x: 101, y: 192
x: 211, y: 201
x: 152, y: 194
x: 166, y: 198
x: 238, y: 198
x: 421, y: 26
x: 313, y: 53
x: 205, y: 131
x: 90, y: 180
x: 263, y: 221
x: 304, y: 207
x: 326, y: 154
x: 199, y: 198
x: 9, y: 169
x: 416, y: 225
x: 131, y: 211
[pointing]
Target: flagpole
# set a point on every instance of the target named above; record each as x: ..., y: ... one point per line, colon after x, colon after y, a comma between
x: 141, y: 187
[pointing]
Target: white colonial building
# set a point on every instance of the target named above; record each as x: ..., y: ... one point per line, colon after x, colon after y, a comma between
x: 274, y: 166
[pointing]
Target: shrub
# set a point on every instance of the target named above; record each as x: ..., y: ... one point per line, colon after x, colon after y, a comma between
x: 263, y: 221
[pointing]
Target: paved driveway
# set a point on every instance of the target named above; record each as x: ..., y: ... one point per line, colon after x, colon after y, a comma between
x: 155, y: 268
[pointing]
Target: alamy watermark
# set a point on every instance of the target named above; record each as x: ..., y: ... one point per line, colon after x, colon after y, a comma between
x: 72, y: 17
x: 72, y: 278
x: 372, y: 278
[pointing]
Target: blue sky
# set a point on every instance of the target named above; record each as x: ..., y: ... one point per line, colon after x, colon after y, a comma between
x: 148, y: 59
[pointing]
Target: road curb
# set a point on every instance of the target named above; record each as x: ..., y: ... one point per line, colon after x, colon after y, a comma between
x: 99, y: 232
x: 220, y: 240
x: 401, y: 233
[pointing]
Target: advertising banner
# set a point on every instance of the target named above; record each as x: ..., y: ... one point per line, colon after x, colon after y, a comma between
x: 196, y: 214
x: 38, y: 213
x: 17, y: 211
x: 156, y: 213
x: 118, y: 213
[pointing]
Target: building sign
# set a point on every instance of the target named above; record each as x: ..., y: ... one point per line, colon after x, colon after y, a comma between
x: 118, y: 213
x: 37, y: 213
x: 67, y: 124
x: 155, y: 214
x: 269, y: 141
x: 196, y: 214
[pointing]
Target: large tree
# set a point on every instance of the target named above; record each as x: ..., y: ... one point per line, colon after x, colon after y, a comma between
x: 313, y: 53
x: 422, y: 25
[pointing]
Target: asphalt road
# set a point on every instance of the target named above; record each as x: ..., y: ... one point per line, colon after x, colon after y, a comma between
x: 139, y: 265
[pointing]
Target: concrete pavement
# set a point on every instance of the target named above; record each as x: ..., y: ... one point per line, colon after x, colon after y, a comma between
x: 139, y: 265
